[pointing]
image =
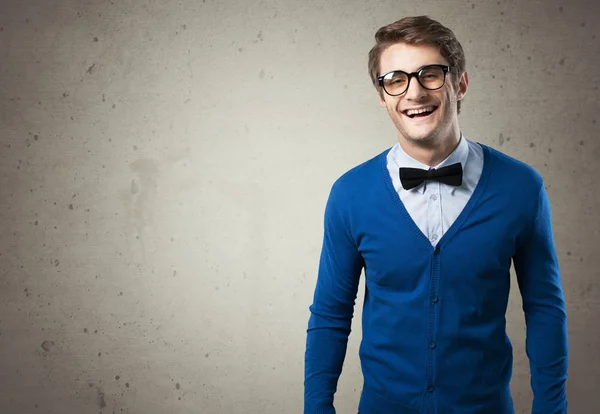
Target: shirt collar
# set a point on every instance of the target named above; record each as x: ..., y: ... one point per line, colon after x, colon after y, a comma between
x: 460, y: 154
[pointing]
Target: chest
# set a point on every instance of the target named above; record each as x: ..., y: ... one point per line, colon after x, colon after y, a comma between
x: 477, y: 246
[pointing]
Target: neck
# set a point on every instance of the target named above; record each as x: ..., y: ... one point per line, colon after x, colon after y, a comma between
x: 430, y: 152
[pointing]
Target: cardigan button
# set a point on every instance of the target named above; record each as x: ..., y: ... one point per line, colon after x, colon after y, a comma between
x: 437, y: 250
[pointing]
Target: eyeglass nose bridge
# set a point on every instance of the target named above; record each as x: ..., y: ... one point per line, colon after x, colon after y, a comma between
x: 410, y: 76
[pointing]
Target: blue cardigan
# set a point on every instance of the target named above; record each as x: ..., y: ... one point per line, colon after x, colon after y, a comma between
x: 434, y: 337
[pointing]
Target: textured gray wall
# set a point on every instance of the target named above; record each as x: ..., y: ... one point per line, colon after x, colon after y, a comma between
x: 164, y: 167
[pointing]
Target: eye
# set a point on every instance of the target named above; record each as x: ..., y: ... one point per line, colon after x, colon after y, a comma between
x: 395, y: 78
x: 431, y: 73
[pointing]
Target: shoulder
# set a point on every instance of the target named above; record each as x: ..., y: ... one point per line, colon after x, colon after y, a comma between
x: 512, y: 171
x: 361, y: 177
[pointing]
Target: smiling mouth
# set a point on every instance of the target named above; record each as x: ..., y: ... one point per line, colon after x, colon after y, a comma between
x: 421, y: 113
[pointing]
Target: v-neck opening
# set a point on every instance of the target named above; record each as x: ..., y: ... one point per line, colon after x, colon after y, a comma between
x: 457, y: 224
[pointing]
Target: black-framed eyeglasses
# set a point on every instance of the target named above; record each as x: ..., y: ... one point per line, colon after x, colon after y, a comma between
x: 430, y: 77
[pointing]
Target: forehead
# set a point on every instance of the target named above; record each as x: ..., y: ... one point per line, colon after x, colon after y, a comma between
x: 409, y: 58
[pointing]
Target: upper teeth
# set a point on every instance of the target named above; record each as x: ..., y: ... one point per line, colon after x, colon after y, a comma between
x: 419, y: 111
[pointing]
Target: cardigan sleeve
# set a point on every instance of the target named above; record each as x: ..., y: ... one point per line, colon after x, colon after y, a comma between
x: 538, y: 276
x: 332, y: 310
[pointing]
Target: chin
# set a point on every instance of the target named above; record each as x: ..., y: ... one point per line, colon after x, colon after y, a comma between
x: 421, y: 137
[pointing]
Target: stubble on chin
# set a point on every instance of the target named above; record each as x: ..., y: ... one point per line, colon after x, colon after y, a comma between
x: 426, y: 142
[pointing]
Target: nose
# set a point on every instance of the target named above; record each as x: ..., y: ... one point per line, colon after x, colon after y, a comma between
x: 414, y: 91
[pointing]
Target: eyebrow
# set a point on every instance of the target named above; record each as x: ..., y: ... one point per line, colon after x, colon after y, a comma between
x: 400, y: 70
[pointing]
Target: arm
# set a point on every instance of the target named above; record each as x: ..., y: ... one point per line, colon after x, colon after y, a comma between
x: 538, y: 276
x: 331, y: 312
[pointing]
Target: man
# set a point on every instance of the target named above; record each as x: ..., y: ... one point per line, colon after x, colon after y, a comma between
x: 435, y: 223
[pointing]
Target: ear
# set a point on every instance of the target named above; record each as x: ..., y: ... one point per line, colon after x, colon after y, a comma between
x: 463, y: 84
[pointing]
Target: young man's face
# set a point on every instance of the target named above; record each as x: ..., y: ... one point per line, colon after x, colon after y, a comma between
x: 442, y: 123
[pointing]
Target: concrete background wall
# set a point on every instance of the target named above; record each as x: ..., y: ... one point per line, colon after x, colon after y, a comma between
x: 164, y: 167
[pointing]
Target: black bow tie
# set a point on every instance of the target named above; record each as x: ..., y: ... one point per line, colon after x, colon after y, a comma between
x: 413, y: 177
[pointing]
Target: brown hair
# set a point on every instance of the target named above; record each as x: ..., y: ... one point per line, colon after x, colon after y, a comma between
x: 419, y: 30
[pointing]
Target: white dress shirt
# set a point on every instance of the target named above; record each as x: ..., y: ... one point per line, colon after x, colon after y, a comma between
x: 434, y: 206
